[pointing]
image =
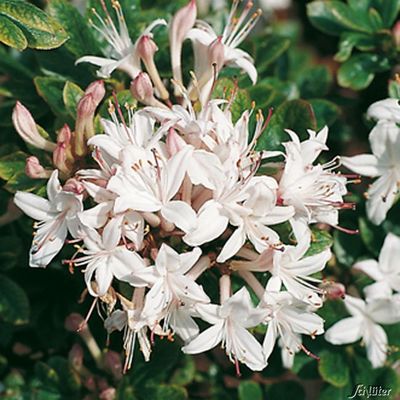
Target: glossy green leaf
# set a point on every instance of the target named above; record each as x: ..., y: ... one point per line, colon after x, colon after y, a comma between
x: 286, y: 390
x: 40, y: 30
x: 320, y: 241
x: 336, y: 393
x: 333, y: 17
x: 11, y: 35
x: 314, y: 82
x: 51, y: 90
x: 81, y: 40
x: 351, y: 40
x: 394, y: 89
x: 14, y: 304
x: 388, y: 10
x: 296, y: 115
x: 359, y: 71
x: 250, y: 390
x: 326, y: 112
x: 269, y: 50
x: 72, y: 93
x: 334, y: 368
x: 371, y: 235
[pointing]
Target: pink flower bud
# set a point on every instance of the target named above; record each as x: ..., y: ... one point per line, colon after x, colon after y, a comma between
x: 216, y: 53
x: 333, y: 290
x: 74, y: 186
x: 75, y: 322
x: 113, y: 363
x: 146, y: 48
x: 142, y: 89
x: 60, y: 158
x: 27, y: 129
x: 97, y: 91
x: 90, y: 383
x: 64, y: 135
x: 174, y: 142
x: 108, y: 394
x: 396, y: 34
x: 180, y: 25
x: 35, y: 170
x: 75, y: 356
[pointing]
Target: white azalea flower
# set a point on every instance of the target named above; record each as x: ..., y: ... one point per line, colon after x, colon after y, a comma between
x: 230, y: 322
x: 57, y: 216
x: 288, y: 318
x: 383, y: 163
x: 106, y: 259
x: 385, y: 110
x: 172, y: 291
x: 226, y: 52
x: 385, y: 271
x: 364, y: 324
x: 121, y: 53
x: 151, y: 187
x: 314, y: 191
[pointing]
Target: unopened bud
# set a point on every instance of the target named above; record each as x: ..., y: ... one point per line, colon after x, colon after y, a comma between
x: 97, y: 91
x: 74, y: 186
x: 142, y: 89
x: 28, y: 130
x: 396, y: 34
x: 35, y: 170
x: 174, y: 142
x: 216, y: 53
x: 146, y: 48
x: 113, y: 363
x: 75, y: 322
x: 180, y: 25
x: 75, y: 356
x: 108, y: 394
x: 333, y: 290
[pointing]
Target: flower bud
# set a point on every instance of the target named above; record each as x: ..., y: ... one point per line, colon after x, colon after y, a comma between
x: 216, y: 53
x: 180, y: 25
x: 333, y: 290
x: 75, y: 322
x: 35, y: 170
x: 27, y: 129
x: 74, y: 186
x: 108, y: 394
x: 396, y: 34
x: 174, y: 142
x: 142, y: 89
x: 97, y: 91
x: 146, y: 49
x: 62, y: 157
x: 113, y: 363
x: 75, y: 356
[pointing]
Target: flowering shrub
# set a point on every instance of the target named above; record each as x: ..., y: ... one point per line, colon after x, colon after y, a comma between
x: 201, y: 171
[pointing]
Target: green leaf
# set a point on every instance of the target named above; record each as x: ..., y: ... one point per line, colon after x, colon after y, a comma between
x: 286, y: 390
x: 350, y: 40
x: 72, y: 93
x: 333, y: 368
x: 40, y: 31
x: 14, y: 304
x: 165, y: 392
x: 335, y: 393
x: 333, y: 17
x: 51, y: 90
x: 185, y: 373
x: 359, y: 71
x: 12, y: 164
x: 314, y: 82
x: 388, y: 10
x: 347, y: 248
x: 394, y: 89
x: 269, y: 50
x: 10, y: 249
x: 320, y: 241
x: 332, y: 311
x: 249, y: 390
x: 81, y: 40
x: 224, y: 89
x: 296, y: 115
x: 11, y: 35
x: 69, y: 380
x: 325, y: 111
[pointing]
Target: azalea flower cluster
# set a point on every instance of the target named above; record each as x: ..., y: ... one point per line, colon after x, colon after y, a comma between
x: 176, y: 192
x: 384, y: 162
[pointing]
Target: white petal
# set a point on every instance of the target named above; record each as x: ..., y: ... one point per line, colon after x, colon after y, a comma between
x: 347, y: 330
x: 363, y: 164
x: 233, y: 244
x: 183, y: 324
x: 390, y: 255
x: 53, y: 186
x: 97, y: 216
x: 34, y: 206
x: 188, y: 259
x: 384, y: 310
x: 354, y: 305
x: 376, y: 344
x: 369, y: 267
x: 270, y: 339
x: 180, y: 214
x: 208, y: 339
